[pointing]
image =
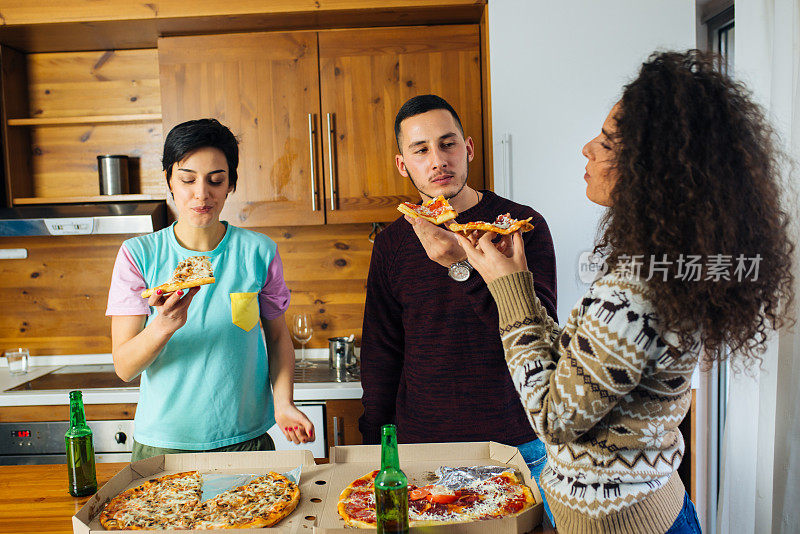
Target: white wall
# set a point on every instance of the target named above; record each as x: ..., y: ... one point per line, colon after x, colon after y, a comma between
x: 556, y: 70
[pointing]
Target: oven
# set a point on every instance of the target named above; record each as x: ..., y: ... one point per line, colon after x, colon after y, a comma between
x: 42, y: 442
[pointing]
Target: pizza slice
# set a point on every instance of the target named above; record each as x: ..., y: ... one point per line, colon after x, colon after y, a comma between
x: 437, y: 210
x: 504, y: 224
x: 191, y: 272
x: 163, y: 502
x: 260, y: 503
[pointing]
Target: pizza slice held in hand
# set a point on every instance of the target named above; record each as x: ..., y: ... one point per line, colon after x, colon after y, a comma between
x: 191, y: 272
x: 437, y: 210
x: 504, y: 224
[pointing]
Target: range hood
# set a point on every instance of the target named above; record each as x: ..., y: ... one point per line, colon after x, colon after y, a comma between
x: 83, y: 219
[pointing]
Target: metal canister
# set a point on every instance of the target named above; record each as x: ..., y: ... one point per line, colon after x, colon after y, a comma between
x: 341, y: 353
x: 113, y: 172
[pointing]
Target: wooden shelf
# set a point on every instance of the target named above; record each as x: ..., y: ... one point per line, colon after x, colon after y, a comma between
x: 78, y: 200
x: 89, y: 119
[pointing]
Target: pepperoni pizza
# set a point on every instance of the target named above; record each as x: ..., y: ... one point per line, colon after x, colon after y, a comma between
x: 502, y: 495
x: 436, y: 210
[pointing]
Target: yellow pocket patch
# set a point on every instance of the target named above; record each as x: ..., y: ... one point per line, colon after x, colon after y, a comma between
x: 244, y: 310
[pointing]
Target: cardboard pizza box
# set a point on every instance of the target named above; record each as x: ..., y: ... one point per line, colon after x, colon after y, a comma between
x: 313, y: 484
x: 418, y: 461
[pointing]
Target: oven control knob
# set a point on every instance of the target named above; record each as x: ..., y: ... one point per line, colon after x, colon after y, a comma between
x: 120, y: 437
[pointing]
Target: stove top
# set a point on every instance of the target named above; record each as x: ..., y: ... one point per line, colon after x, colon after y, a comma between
x: 74, y: 377
x: 322, y: 372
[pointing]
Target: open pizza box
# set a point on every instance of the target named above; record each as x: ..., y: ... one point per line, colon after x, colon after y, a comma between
x: 313, y: 484
x: 418, y: 461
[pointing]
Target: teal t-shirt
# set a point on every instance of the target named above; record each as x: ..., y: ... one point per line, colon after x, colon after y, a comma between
x: 209, y: 386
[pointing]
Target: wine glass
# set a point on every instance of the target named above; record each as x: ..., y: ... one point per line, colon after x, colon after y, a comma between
x: 302, y: 330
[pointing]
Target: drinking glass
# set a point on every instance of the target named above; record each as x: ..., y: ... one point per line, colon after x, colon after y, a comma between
x: 17, y: 361
x: 302, y: 330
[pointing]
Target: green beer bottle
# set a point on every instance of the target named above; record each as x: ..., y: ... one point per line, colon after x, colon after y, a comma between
x: 80, y: 450
x: 391, y: 487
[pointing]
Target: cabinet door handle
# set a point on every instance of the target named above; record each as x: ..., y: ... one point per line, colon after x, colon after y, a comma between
x: 312, y: 159
x: 330, y: 164
x: 338, y: 433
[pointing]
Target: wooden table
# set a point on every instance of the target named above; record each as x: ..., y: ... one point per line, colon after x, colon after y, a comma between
x: 34, y: 498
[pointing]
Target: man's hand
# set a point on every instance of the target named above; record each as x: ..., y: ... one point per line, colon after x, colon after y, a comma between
x: 440, y: 245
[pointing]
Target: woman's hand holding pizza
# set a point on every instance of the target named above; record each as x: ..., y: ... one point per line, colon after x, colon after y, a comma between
x: 172, y: 307
x: 294, y: 424
x: 494, y: 260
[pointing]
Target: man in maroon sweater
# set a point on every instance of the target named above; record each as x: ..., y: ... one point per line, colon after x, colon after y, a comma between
x: 431, y: 357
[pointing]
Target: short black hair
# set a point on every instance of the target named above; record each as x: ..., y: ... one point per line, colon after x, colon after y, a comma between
x: 190, y: 135
x: 422, y: 104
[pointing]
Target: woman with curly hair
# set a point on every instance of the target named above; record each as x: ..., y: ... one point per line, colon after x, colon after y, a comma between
x: 686, y: 164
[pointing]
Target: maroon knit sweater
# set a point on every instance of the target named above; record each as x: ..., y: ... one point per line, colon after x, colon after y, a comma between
x: 431, y: 357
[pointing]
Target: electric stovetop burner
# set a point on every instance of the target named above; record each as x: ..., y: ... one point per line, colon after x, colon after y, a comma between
x: 73, y: 377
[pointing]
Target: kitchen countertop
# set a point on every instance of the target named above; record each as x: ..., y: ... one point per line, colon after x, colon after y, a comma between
x: 34, y: 498
x: 45, y: 364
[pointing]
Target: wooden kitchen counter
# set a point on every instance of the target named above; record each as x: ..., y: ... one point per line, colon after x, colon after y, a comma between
x: 34, y: 498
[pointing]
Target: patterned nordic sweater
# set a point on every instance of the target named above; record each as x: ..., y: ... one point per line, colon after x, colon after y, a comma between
x: 606, y: 394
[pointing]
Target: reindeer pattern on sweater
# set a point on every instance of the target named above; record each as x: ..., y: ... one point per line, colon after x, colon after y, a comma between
x: 606, y: 392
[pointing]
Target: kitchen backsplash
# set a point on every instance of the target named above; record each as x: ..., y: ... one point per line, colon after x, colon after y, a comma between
x: 54, y: 301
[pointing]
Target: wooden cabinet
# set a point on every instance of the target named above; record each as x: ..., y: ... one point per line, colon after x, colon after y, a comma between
x: 264, y: 87
x: 87, y: 83
x: 315, y: 112
x: 94, y: 412
x: 365, y: 76
x: 341, y: 420
x: 61, y: 110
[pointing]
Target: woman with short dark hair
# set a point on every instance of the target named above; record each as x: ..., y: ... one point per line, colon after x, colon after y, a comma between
x: 699, y: 264
x: 207, y: 355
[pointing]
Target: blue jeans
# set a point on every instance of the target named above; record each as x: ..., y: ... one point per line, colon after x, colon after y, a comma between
x: 687, y: 522
x: 535, y: 456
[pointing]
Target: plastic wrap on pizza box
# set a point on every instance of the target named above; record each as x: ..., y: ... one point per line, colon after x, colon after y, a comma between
x: 419, y: 462
x: 313, y: 484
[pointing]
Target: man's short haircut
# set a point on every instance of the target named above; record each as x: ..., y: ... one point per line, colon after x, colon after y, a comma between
x: 422, y: 104
x: 201, y: 133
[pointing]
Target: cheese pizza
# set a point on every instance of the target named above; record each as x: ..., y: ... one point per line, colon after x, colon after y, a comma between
x: 191, y: 272
x: 437, y: 210
x: 501, y: 495
x: 174, y: 502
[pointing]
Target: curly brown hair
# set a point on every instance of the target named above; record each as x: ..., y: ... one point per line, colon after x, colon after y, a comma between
x: 699, y: 174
